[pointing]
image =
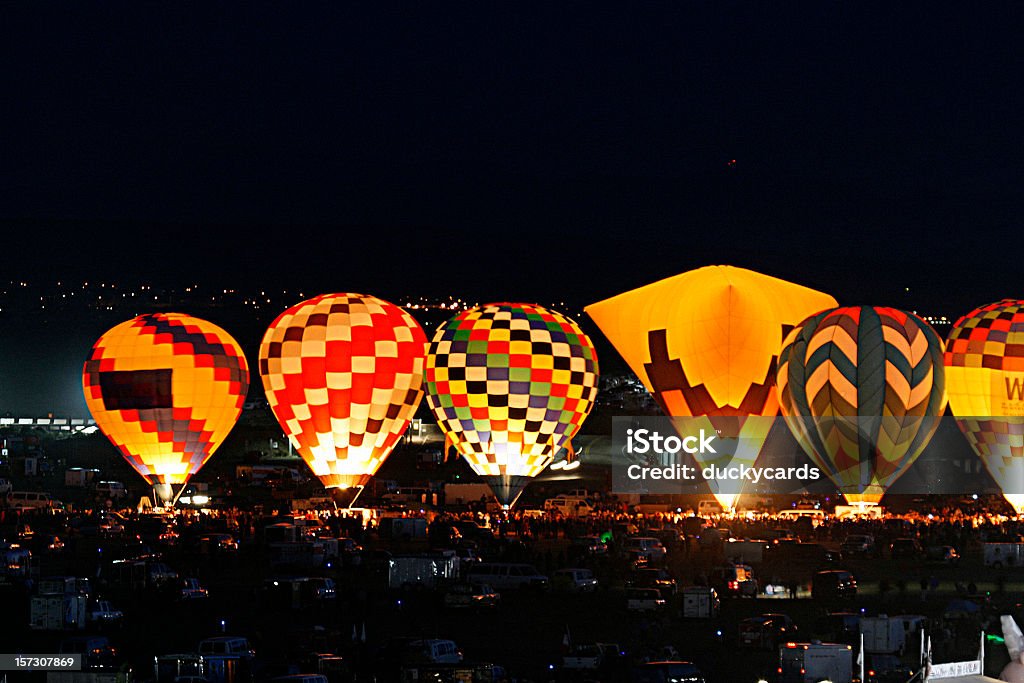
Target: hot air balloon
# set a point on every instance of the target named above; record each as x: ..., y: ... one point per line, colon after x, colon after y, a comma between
x: 705, y: 344
x: 510, y: 384
x: 343, y: 374
x: 166, y: 388
x: 985, y: 382
x: 861, y: 389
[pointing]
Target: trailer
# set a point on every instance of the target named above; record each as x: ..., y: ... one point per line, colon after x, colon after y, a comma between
x: 815, y: 662
x: 883, y: 635
x: 889, y: 635
x: 427, y: 570
x: 746, y: 552
x: 700, y: 602
x: 403, y: 528
x: 57, y: 612
x: 1003, y: 554
x: 78, y: 477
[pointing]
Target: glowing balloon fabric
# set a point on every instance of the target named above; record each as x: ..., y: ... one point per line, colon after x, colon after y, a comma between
x: 861, y: 388
x: 985, y: 382
x: 706, y: 343
x: 510, y: 384
x: 343, y: 374
x: 165, y: 388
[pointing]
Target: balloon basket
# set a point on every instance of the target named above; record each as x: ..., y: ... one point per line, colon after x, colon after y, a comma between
x: 506, y: 488
x: 166, y: 495
x: 345, y: 497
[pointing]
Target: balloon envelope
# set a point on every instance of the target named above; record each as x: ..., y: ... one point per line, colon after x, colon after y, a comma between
x: 706, y: 343
x: 343, y: 374
x: 985, y: 381
x: 861, y: 389
x: 510, y: 384
x: 166, y: 388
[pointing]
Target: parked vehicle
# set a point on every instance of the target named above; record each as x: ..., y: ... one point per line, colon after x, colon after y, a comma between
x: 57, y: 611
x: 700, y: 602
x: 590, y: 656
x: 504, y: 575
x: 833, y: 584
x: 858, y: 545
x: 569, y: 507
x: 426, y: 570
x: 97, y: 652
x: 667, y: 672
x: 734, y: 579
x: 29, y: 499
x: 889, y: 635
x: 437, y: 651
x: 815, y: 662
x: 746, y: 551
x: 1003, y: 554
x: 942, y: 554
x: 644, y: 599
x: 103, y: 613
x: 707, y: 508
x: 114, y: 490
x: 575, y: 580
x: 647, y: 547
x: 588, y: 546
x: 226, y: 645
x: 906, y: 549
x: 190, y: 589
x: 217, y: 543
x: 657, y: 578
x: 766, y: 631
x: 471, y: 595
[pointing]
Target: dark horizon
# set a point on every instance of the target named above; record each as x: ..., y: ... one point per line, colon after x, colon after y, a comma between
x: 543, y: 154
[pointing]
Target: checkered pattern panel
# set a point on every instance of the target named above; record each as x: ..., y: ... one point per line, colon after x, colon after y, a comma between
x: 166, y: 388
x: 510, y: 384
x: 989, y: 337
x: 985, y: 379
x: 861, y: 388
x: 343, y: 374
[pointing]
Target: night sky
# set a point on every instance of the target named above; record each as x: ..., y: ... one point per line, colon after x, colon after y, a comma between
x: 548, y: 151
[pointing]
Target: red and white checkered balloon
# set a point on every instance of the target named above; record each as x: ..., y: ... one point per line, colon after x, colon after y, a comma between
x: 343, y: 374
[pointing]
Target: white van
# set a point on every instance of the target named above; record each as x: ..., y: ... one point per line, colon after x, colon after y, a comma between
x: 506, y: 575
x: 227, y: 645
x: 111, y: 489
x: 29, y: 499
x: 797, y: 513
x: 569, y: 506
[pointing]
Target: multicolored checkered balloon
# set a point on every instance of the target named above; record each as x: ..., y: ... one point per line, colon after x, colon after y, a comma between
x: 510, y: 384
x: 166, y: 388
x: 985, y: 381
x: 861, y: 388
x: 343, y: 374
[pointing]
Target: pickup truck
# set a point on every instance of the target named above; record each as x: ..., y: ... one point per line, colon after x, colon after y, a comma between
x: 189, y: 589
x: 589, y: 657
x: 104, y: 614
